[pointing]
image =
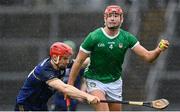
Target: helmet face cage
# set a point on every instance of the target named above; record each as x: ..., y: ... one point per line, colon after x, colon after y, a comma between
x: 113, y: 9
x: 60, y: 49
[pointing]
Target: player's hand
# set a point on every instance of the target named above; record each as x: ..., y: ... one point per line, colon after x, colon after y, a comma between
x: 92, y: 99
x: 81, y: 100
x: 163, y: 44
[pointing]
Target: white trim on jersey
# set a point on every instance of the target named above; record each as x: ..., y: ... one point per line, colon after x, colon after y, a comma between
x: 44, y: 62
x: 135, y: 45
x: 111, y: 37
x: 84, y: 50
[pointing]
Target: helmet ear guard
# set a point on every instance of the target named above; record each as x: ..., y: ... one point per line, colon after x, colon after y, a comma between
x: 56, y: 59
x: 59, y: 50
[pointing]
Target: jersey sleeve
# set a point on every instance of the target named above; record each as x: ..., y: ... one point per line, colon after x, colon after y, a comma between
x: 88, y: 44
x: 45, y: 75
x: 132, y: 41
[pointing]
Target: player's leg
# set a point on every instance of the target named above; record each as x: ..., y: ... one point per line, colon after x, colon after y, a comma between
x: 115, y: 107
x: 19, y: 108
x: 114, y: 92
x: 100, y: 106
x: 96, y: 88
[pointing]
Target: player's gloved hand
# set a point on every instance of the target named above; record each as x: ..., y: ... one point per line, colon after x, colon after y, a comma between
x: 163, y: 44
x: 92, y: 99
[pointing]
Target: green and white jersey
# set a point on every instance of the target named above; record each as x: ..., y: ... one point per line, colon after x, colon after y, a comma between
x: 106, y: 54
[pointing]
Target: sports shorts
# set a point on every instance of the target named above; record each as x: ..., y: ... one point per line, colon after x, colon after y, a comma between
x: 112, y: 91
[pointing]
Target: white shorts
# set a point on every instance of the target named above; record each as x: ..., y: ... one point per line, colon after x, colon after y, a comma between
x: 112, y: 91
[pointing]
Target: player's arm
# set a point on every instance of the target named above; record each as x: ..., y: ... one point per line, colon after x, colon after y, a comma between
x: 86, y: 62
x: 71, y: 91
x: 150, y: 56
x: 81, y: 57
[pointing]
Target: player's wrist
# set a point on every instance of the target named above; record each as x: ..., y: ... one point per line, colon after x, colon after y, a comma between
x: 70, y: 82
x: 158, y: 49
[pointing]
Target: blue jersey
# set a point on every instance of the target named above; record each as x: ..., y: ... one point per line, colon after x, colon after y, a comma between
x: 35, y: 92
x: 58, y: 99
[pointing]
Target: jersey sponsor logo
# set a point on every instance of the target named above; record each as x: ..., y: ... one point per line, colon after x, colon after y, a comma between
x: 111, y: 42
x: 101, y: 45
x: 62, y: 71
x: 120, y: 45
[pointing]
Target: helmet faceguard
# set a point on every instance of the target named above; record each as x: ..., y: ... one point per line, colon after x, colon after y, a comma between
x: 60, y: 49
x: 113, y: 9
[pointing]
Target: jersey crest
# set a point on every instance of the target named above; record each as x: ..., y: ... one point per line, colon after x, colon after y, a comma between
x: 120, y: 45
x: 92, y: 84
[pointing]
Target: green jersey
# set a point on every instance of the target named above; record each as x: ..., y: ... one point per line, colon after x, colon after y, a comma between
x: 106, y: 54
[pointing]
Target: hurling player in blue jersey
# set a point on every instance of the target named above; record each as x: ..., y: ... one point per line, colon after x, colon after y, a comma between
x: 59, y: 103
x: 46, y: 78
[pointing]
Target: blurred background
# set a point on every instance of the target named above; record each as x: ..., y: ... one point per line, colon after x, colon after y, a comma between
x: 29, y: 27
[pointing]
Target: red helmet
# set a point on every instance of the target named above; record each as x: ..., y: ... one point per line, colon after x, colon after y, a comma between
x: 60, y: 49
x: 113, y: 8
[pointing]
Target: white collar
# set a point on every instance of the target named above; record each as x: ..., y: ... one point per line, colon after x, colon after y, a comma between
x: 111, y: 37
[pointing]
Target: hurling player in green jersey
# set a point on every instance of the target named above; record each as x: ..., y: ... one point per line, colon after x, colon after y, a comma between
x: 106, y: 47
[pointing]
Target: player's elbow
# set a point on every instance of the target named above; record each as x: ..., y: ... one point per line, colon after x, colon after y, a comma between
x: 149, y: 60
